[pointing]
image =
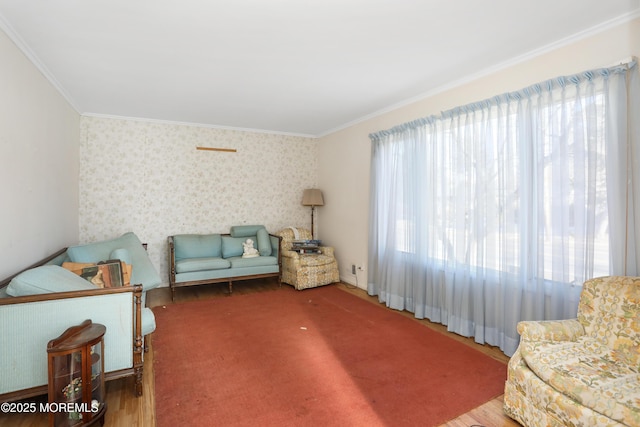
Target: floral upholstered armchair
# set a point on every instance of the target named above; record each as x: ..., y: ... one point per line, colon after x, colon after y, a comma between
x: 304, y: 271
x: 584, y: 371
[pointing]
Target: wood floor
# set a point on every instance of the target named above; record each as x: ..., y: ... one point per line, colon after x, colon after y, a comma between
x: 124, y: 409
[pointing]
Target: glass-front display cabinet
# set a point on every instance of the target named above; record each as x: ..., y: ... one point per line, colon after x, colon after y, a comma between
x: 76, y: 376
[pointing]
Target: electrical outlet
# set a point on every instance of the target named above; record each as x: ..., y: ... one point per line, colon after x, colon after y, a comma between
x: 353, y: 269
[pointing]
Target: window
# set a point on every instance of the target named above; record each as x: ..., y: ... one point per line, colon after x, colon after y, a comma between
x: 498, y: 211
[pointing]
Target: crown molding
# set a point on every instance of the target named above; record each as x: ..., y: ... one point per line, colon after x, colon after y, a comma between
x: 201, y: 125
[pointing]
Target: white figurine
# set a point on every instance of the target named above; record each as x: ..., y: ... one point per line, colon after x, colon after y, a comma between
x: 249, y: 250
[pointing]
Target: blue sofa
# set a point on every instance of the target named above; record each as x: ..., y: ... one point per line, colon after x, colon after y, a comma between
x: 42, y: 301
x: 197, y: 259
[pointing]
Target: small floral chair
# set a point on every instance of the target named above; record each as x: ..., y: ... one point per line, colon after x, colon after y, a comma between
x: 304, y: 271
x: 583, y: 371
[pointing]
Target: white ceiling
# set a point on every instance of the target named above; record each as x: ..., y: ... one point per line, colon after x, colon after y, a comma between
x: 304, y: 67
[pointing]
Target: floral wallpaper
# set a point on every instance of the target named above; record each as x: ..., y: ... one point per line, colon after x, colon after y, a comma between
x: 148, y: 177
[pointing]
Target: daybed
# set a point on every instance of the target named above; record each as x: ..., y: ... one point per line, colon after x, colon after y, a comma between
x: 303, y: 271
x: 584, y: 371
x: 42, y: 301
x: 197, y: 259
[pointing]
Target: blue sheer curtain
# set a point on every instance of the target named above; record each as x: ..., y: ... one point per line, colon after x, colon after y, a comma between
x: 498, y: 211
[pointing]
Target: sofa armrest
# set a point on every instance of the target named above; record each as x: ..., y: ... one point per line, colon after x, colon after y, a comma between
x: 291, y: 254
x: 275, y: 244
x: 327, y: 250
x: 550, y: 330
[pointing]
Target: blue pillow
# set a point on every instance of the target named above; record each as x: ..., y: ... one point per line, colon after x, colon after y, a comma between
x: 197, y: 246
x: 245, y: 230
x: 264, y: 242
x: 232, y: 246
x: 46, y: 279
x: 142, y: 271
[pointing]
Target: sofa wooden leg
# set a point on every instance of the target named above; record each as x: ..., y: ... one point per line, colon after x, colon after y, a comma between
x: 138, y: 344
x: 138, y: 381
x: 230, y: 287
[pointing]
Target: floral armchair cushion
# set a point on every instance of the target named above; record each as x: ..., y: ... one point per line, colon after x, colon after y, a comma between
x: 609, y: 310
x: 587, y: 372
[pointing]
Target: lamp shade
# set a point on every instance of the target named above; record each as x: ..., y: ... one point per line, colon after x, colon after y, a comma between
x: 312, y: 197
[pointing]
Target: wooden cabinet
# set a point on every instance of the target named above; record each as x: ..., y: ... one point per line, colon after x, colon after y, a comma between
x: 76, y: 376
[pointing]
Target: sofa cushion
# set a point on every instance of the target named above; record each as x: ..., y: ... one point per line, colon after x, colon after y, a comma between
x: 122, y: 254
x: 143, y: 271
x: 46, y: 279
x: 232, y: 246
x: 201, y: 264
x: 197, y: 246
x: 264, y: 242
x: 260, y: 261
x: 245, y: 230
x: 148, y: 321
x: 588, y: 372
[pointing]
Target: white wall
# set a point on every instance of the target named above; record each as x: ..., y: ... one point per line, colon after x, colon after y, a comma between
x: 345, y: 155
x: 148, y: 178
x: 39, y: 171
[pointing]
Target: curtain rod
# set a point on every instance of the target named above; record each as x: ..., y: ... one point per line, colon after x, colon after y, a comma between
x: 625, y: 61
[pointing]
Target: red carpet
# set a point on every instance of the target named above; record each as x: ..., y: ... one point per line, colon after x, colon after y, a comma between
x: 318, y: 357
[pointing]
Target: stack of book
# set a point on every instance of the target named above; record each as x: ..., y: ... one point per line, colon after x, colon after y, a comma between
x: 306, y: 246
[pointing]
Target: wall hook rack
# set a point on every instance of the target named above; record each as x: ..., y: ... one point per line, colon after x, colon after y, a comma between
x: 228, y: 150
